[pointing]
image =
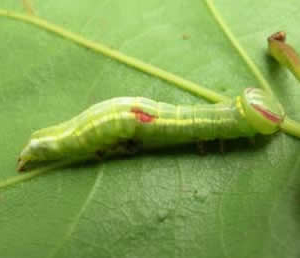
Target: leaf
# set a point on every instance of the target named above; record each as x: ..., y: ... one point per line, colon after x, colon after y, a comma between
x: 240, y: 203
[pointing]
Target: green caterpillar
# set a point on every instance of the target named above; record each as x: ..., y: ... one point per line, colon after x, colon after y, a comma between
x: 116, y: 125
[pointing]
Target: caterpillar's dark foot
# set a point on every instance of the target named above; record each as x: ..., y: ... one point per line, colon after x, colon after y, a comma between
x: 99, y: 155
x: 200, y: 148
x: 127, y: 147
x: 222, y: 146
x: 131, y: 147
x: 251, y: 141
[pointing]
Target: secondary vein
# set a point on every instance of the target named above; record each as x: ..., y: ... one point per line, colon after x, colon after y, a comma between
x: 29, y: 175
x: 233, y: 40
x: 180, y: 82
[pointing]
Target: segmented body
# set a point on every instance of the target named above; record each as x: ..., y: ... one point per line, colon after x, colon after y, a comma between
x: 146, y: 121
x: 113, y: 123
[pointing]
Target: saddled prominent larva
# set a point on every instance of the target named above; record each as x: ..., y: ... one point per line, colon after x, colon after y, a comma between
x: 114, y: 125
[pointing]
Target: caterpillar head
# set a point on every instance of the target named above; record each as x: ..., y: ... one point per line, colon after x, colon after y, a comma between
x: 262, y: 110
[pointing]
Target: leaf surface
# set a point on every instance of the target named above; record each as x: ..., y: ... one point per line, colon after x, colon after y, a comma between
x: 240, y: 203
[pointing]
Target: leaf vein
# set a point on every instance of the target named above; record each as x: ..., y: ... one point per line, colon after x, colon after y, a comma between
x: 76, y: 219
x: 237, y: 46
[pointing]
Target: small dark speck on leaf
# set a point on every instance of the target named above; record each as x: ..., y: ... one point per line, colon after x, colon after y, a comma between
x: 200, y: 195
x: 162, y: 215
x: 186, y: 36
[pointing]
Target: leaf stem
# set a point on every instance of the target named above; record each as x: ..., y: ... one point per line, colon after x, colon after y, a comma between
x: 286, y: 56
x: 262, y: 81
x: 291, y: 127
x: 284, y: 53
x: 116, y: 55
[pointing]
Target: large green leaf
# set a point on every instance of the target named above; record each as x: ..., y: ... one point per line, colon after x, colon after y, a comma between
x: 240, y: 203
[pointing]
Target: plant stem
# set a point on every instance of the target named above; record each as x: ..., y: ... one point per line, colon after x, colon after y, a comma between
x: 291, y: 127
x: 116, y: 55
x: 286, y: 56
x: 284, y: 53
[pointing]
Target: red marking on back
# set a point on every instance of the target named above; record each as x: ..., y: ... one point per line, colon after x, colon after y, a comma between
x: 268, y: 114
x: 142, y: 116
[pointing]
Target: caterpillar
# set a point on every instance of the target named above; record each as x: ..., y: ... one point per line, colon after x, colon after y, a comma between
x: 120, y: 124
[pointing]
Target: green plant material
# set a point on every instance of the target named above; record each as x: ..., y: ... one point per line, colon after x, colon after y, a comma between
x: 284, y: 53
x: 116, y: 55
x: 170, y: 204
x: 263, y: 83
x: 287, y: 56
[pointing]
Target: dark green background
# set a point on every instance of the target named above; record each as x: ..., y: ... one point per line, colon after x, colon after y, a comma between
x: 242, y: 203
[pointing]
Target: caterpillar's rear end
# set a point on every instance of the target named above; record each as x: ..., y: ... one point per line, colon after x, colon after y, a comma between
x: 115, y: 125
